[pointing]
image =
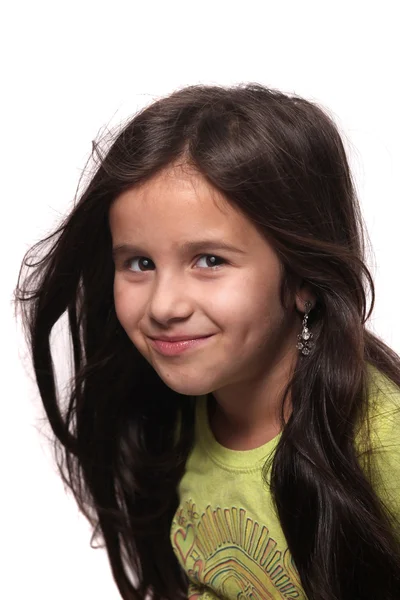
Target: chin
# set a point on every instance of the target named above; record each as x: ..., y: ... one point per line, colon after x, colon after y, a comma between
x: 188, y: 388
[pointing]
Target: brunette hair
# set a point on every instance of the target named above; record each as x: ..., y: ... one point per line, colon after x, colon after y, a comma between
x: 280, y: 159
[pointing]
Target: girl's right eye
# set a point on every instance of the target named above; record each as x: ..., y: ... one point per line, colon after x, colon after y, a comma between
x: 145, y: 262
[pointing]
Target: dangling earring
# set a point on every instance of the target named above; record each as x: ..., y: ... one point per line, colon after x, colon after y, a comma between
x: 305, y: 344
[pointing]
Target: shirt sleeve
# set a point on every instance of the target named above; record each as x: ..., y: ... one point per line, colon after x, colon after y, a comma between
x: 384, y: 428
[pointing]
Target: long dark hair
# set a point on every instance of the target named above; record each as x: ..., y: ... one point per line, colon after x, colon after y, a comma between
x: 281, y: 160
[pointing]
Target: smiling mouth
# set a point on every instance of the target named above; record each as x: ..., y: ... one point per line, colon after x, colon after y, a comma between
x: 168, y: 348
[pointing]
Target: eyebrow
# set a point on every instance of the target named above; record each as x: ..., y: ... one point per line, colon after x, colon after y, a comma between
x: 186, y: 247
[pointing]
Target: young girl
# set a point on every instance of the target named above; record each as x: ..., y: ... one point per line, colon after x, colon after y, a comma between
x: 232, y: 425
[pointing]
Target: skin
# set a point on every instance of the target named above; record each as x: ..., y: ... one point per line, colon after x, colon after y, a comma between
x: 248, y: 360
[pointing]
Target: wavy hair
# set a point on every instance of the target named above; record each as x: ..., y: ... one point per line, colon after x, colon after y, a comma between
x: 280, y: 159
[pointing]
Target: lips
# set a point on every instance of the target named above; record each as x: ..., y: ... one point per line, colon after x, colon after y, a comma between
x: 179, y: 338
x: 173, y: 348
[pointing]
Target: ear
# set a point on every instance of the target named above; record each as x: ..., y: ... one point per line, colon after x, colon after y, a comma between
x: 304, y: 294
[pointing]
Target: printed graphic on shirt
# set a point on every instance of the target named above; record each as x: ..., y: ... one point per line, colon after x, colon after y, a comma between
x: 227, y: 554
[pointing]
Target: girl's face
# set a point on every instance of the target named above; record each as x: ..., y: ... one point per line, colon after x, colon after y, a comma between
x: 174, y: 278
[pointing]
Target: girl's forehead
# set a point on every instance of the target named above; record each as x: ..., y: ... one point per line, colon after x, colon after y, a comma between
x: 176, y: 207
x: 176, y: 199
x: 173, y: 211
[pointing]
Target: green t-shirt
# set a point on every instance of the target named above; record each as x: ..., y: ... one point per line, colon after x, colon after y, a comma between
x: 225, y: 532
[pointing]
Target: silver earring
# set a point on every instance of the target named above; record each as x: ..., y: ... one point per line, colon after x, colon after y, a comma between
x: 305, y: 344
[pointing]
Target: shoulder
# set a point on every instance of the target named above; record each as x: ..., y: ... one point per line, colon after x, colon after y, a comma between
x: 384, y: 437
x: 383, y: 409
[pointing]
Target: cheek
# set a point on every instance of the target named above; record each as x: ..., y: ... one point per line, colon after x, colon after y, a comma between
x: 254, y: 312
x: 127, y: 307
x: 250, y: 300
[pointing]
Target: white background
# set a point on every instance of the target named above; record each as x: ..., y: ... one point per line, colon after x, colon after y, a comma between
x: 69, y: 69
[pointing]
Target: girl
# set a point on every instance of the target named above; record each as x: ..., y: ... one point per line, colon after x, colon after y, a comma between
x: 232, y: 425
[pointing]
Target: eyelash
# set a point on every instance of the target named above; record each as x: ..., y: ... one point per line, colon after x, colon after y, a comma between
x: 128, y: 262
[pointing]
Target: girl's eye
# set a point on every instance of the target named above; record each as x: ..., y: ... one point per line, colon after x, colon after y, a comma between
x: 213, y: 259
x: 140, y: 259
x: 146, y: 263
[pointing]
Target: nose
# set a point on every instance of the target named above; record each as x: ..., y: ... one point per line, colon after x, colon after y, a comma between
x: 170, y: 300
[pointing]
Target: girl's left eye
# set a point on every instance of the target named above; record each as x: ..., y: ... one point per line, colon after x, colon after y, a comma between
x: 213, y: 259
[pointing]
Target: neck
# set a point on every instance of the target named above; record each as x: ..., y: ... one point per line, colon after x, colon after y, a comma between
x: 247, y: 416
